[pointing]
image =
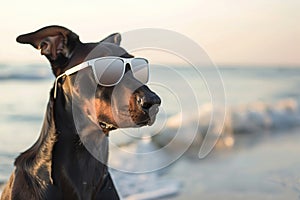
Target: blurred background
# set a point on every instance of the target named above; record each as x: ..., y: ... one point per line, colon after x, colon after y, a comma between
x: 256, y: 48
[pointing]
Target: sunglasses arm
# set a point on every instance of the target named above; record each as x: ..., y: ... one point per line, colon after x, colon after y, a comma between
x: 68, y: 72
x: 76, y: 68
x: 55, y: 86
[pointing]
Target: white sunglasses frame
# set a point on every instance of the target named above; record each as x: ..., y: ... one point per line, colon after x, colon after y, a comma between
x: 90, y: 63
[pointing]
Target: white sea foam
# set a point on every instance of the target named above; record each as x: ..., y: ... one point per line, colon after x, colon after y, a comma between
x: 283, y: 114
x: 251, y: 118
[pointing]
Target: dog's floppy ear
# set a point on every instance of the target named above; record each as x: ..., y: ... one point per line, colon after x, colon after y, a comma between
x: 114, y: 38
x: 35, y: 38
x: 55, y: 42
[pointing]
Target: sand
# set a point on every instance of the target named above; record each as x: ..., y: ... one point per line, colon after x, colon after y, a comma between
x: 260, y: 166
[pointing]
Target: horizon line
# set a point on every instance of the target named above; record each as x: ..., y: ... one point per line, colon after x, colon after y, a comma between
x: 219, y: 65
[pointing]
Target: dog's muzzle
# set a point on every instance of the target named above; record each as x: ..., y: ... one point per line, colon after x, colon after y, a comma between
x: 149, y: 105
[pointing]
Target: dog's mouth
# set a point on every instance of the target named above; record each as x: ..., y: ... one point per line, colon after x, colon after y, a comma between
x: 147, y: 122
x: 148, y: 117
x: 106, y: 127
x: 140, y: 120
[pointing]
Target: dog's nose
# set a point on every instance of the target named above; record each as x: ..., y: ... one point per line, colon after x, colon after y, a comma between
x: 147, y: 101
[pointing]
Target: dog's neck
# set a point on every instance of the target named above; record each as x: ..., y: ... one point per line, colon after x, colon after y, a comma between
x: 78, y: 141
x: 37, y: 161
x: 59, y: 156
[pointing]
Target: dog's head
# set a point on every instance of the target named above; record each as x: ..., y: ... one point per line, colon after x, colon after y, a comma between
x: 127, y: 104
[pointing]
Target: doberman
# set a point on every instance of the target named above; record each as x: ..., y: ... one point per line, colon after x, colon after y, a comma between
x: 59, y: 165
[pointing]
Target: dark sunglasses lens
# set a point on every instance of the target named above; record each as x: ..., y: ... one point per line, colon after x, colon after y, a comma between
x: 109, y: 71
x: 140, y: 69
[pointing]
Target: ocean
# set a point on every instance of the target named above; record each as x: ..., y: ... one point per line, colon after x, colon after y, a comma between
x: 261, y: 122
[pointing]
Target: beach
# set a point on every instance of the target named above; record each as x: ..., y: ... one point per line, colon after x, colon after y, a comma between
x: 264, y: 169
x: 256, y: 157
x: 260, y: 165
x: 267, y: 169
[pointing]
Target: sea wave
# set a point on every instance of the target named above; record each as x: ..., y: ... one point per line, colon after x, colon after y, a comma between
x: 249, y: 118
x: 258, y: 117
x: 29, y: 72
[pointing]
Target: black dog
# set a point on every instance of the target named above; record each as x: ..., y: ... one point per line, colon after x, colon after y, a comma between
x: 58, y: 165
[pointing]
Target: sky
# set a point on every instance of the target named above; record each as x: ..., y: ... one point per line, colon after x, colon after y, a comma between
x: 232, y: 32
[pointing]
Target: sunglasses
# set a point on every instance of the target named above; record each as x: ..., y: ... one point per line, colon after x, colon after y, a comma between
x: 109, y: 71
